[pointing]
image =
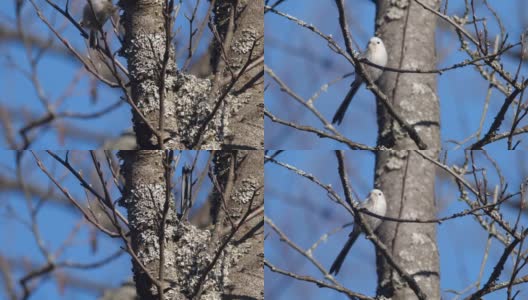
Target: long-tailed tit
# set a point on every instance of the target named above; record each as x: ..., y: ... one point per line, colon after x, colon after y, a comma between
x: 375, y: 53
x: 95, y: 15
x: 374, y: 203
x: 186, y: 191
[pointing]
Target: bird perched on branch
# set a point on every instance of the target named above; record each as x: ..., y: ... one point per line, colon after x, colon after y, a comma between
x: 374, y: 203
x: 95, y: 15
x: 375, y: 53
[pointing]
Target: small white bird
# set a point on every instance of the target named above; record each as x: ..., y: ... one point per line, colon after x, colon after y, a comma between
x: 95, y: 15
x: 375, y: 53
x: 374, y: 203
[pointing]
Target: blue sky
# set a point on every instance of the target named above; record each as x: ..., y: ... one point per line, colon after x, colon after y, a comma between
x: 304, y: 213
x: 57, y: 222
x: 305, y: 63
x: 56, y: 73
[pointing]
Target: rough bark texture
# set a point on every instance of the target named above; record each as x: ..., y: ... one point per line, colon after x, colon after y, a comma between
x: 408, y: 32
x: 247, y: 275
x: 144, y: 48
x: 189, y: 250
x: 406, y: 179
x: 144, y: 198
x: 247, y: 126
x: 191, y: 109
x: 408, y: 183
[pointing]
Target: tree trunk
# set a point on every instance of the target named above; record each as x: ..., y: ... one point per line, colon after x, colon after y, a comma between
x: 144, y: 198
x: 245, y: 40
x: 407, y: 180
x: 409, y: 36
x: 144, y: 49
x: 193, y: 267
x: 224, y: 111
x: 248, y: 188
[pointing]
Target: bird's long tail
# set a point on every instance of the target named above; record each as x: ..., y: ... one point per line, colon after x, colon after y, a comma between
x: 352, y: 237
x: 340, y: 113
x: 93, y: 39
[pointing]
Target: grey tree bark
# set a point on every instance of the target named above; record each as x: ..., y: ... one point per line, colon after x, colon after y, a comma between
x: 408, y: 32
x: 223, y: 111
x: 246, y: 39
x: 248, y: 189
x: 143, y: 47
x: 406, y: 179
x: 208, y: 262
x: 144, y: 198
